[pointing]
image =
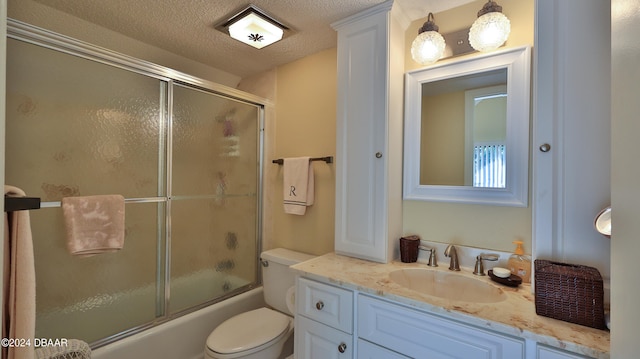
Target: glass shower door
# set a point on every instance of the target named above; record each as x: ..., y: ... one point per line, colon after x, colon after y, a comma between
x: 76, y: 127
x: 214, y: 197
x: 186, y: 159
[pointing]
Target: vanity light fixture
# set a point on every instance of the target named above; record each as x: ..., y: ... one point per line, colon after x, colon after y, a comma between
x: 428, y: 46
x: 254, y: 27
x: 491, y: 29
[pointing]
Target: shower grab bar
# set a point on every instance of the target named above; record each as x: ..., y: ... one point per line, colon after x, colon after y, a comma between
x: 12, y: 204
x: 327, y: 159
x: 55, y: 204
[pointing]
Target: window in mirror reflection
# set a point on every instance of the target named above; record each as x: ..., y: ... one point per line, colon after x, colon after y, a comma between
x: 464, y: 131
x: 485, y: 144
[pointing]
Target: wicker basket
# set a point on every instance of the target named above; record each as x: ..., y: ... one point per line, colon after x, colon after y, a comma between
x: 409, y: 249
x: 569, y: 292
x: 73, y: 349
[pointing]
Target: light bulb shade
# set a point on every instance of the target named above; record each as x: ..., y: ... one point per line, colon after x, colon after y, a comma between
x: 255, y: 31
x: 427, y: 47
x: 489, y: 31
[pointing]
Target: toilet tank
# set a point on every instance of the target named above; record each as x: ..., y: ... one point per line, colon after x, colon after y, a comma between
x: 277, y: 278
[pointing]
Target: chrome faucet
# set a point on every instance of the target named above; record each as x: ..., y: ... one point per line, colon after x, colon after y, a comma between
x: 479, y: 269
x: 453, y: 254
x: 433, y: 261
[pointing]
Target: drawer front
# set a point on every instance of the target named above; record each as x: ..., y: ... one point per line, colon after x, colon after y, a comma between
x: 326, y: 304
x: 318, y: 341
x: 552, y: 353
x: 368, y: 350
x: 421, y: 335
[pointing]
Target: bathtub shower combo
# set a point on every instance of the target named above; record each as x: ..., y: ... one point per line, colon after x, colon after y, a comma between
x: 184, y: 152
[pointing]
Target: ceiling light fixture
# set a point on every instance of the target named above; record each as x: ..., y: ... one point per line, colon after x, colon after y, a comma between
x: 428, y: 46
x: 254, y: 27
x: 491, y: 29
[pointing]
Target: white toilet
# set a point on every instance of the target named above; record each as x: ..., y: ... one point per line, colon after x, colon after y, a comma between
x: 261, y: 333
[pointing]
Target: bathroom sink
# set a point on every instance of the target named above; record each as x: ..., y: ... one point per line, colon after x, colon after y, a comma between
x: 447, y: 285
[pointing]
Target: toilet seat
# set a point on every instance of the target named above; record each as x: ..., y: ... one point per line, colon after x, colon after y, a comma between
x: 248, y: 332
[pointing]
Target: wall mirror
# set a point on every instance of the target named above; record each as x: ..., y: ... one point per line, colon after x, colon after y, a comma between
x: 467, y: 130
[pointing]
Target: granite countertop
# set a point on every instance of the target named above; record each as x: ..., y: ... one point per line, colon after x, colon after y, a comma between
x: 514, y: 316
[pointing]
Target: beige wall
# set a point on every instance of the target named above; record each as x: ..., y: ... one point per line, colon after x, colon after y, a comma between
x: 304, y: 125
x: 474, y: 225
x: 442, y: 139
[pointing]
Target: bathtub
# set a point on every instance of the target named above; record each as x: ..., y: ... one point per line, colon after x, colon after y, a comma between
x: 181, y: 338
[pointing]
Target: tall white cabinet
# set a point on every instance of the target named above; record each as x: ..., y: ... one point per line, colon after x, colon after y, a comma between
x: 572, y: 115
x: 369, y: 133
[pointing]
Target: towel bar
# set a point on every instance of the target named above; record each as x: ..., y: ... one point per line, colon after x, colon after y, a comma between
x: 12, y: 204
x: 327, y: 159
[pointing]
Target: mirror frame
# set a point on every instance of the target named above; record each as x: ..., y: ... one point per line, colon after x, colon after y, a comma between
x: 517, y: 62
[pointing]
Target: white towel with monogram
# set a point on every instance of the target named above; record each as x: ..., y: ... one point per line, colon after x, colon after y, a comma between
x: 298, y: 185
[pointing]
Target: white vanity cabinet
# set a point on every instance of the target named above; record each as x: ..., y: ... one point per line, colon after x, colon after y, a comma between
x: 369, y: 133
x: 544, y: 352
x: 317, y: 341
x: 368, y: 350
x: 335, y: 322
x: 418, y: 334
x: 323, y: 321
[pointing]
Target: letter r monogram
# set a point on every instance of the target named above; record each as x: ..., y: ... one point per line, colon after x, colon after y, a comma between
x: 292, y: 191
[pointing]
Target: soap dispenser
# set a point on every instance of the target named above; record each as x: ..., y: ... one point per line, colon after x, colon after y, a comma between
x: 520, y: 264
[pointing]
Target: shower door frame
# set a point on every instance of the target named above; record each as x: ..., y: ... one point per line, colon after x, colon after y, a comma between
x: 21, y: 31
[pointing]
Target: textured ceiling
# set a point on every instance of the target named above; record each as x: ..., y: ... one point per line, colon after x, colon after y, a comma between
x: 187, y: 27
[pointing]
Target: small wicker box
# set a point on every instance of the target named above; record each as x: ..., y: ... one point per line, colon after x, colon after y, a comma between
x: 569, y: 292
x: 409, y: 248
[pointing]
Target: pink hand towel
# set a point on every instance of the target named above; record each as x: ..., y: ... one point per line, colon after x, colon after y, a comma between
x: 95, y: 224
x: 19, y: 293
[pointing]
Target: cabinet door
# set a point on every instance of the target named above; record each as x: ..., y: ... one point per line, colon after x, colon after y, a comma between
x: 551, y: 353
x: 318, y: 341
x: 369, y: 123
x: 326, y: 304
x: 563, y: 173
x: 368, y: 350
x: 361, y: 208
x: 421, y: 335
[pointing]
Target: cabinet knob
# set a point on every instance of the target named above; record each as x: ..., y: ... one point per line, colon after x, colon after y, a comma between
x: 545, y: 147
x: 319, y: 305
x: 342, y: 347
x: 378, y: 154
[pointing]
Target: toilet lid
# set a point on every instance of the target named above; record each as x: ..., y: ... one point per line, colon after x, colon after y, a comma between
x: 247, y: 330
